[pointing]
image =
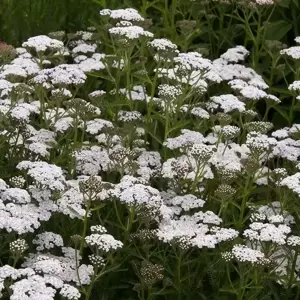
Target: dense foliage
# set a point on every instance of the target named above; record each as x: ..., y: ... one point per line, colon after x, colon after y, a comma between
x: 150, y: 152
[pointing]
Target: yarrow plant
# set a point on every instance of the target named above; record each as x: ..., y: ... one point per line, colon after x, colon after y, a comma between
x: 133, y: 168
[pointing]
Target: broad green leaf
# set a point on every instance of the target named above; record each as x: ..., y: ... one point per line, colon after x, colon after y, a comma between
x: 277, y: 30
x: 103, y: 76
x: 281, y: 90
x: 285, y: 3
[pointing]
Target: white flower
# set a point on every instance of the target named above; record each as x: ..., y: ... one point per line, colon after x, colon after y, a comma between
x: 103, y: 242
x: 61, y: 93
x: 18, y: 246
x: 265, y: 232
x: 1, y: 287
x: 5, y: 88
x: 97, y: 94
x: 293, y: 52
x: 276, y: 219
x: 196, y: 111
x: 35, y: 286
x: 84, y: 48
x: 253, y: 93
x: 185, y: 166
x: 61, y: 75
x: 7, y: 271
x: 187, y: 138
x: 264, y: 2
x: 129, y: 116
x: 64, y: 267
x: 48, y: 240
x: 70, y: 292
x: 194, y: 231
x: 163, y: 45
x: 63, y: 124
x: 40, y: 149
x: 49, y: 266
x: 44, y: 174
x: 71, y: 202
x: 281, y: 133
x: 98, y: 229
x: 192, y: 61
x: 124, y: 24
x: 236, y: 54
x: 16, y: 195
x: 245, y: 254
x: 130, y: 32
x: 186, y: 202
x: 127, y: 14
x: 85, y: 35
x: 90, y: 64
x: 288, y: 149
x: 295, y: 86
x: 169, y: 92
x: 20, y: 68
x: 133, y: 191
x: 272, y: 209
x: 149, y: 164
x: 42, y: 43
x: 138, y: 93
x: 85, y: 273
x: 237, y: 84
x: 292, y: 182
x: 227, y: 103
x: 260, y: 143
x: 201, y: 151
x: 227, y: 131
x: 91, y: 161
x: 97, y: 125
x: 293, y: 240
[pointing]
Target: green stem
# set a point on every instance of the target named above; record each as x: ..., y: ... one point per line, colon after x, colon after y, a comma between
x: 291, y: 277
x: 291, y: 112
x: 179, y: 260
x: 89, y: 291
x: 84, y: 230
x: 244, y: 203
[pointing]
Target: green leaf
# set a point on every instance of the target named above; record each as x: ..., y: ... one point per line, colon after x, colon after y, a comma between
x: 228, y: 290
x: 280, y: 118
x: 281, y: 90
x: 103, y: 76
x: 277, y: 30
x: 285, y: 3
x: 180, y: 125
x: 154, y: 137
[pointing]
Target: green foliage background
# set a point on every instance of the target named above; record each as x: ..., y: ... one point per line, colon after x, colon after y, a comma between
x: 22, y: 19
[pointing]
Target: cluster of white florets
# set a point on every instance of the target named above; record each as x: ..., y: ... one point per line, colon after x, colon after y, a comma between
x: 47, y: 240
x: 43, y: 43
x: 128, y: 14
x: 44, y: 275
x: 245, y: 254
x: 44, y: 174
x: 201, y: 230
x: 100, y: 240
x: 60, y: 76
